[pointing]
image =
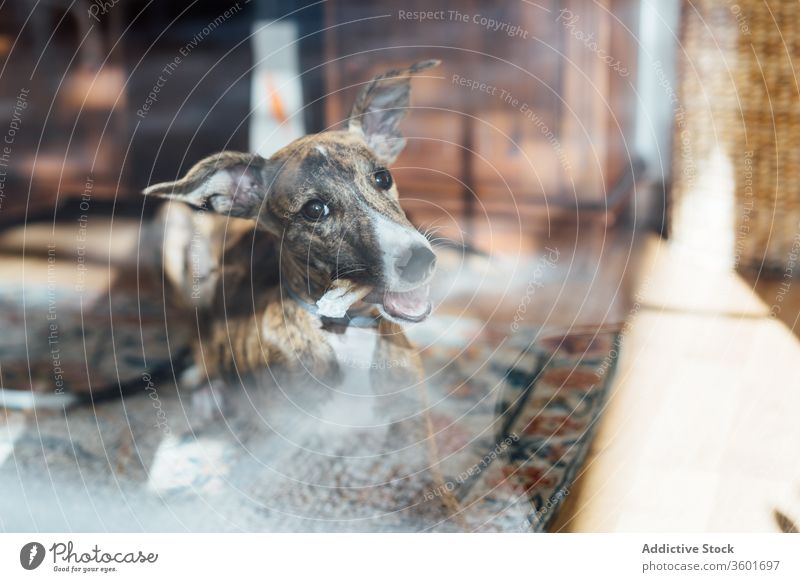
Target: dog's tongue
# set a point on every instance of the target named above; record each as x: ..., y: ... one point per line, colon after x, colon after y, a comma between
x: 410, y: 305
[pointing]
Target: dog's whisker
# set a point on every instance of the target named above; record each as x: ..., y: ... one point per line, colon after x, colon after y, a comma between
x: 428, y: 233
x: 425, y: 228
x: 357, y: 266
x: 351, y: 271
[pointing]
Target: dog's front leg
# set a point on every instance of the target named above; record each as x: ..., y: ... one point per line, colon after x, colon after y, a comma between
x: 300, y: 350
x: 397, y: 376
x: 207, y: 397
x: 398, y: 380
x: 282, y: 345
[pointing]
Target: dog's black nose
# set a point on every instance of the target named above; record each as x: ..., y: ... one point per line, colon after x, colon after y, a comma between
x: 416, y: 264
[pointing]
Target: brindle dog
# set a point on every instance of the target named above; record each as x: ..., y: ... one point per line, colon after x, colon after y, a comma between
x: 315, y: 291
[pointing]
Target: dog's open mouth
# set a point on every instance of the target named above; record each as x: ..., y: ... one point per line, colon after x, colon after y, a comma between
x: 411, y: 305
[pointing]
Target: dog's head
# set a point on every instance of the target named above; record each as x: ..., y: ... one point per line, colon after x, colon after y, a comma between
x: 331, y: 200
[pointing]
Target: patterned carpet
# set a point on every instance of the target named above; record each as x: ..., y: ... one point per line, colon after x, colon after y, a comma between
x: 513, y: 415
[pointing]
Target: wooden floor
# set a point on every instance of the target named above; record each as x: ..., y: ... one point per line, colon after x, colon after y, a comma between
x: 701, y: 432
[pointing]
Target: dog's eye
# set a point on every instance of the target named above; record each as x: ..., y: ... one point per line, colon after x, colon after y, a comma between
x: 383, y: 179
x: 315, y: 210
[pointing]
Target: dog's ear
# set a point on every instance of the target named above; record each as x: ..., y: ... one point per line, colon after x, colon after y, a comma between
x: 230, y: 183
x: 380, y: 107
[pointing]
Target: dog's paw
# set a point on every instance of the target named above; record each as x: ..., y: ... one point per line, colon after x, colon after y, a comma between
x: 207, y: 404
x: 207, y: 399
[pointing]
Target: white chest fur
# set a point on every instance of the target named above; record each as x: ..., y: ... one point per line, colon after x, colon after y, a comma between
x: 354, y: 349
x: 352, y: 401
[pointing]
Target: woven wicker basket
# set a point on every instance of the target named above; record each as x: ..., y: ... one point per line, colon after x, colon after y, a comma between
x: 736, y: 152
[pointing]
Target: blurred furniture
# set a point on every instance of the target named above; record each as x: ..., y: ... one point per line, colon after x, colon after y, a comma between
x: 549, y: 132
x: 736, y: 194
x: 551, y: 141
x: 88, y: 131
